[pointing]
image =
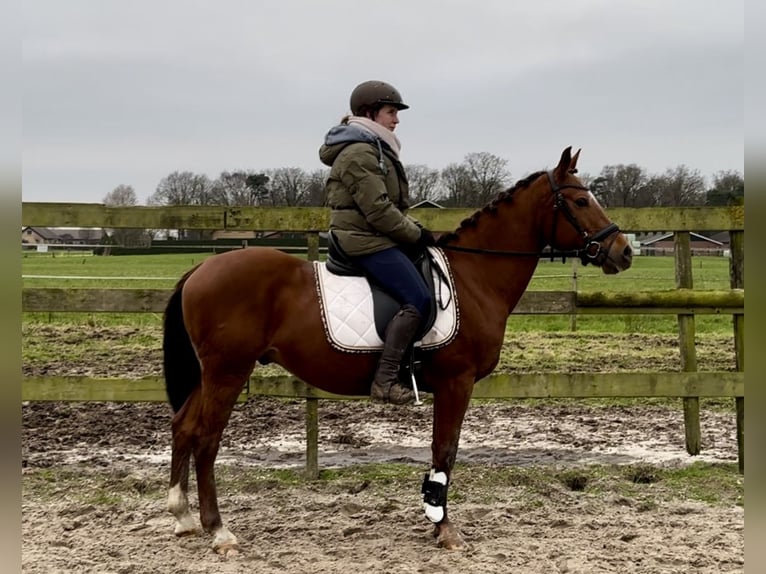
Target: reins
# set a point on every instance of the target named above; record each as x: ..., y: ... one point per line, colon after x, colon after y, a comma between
x: 588, y: 253
x: 501, y: 253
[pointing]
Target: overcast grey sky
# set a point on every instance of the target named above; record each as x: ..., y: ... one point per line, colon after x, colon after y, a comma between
x: 128, y: 92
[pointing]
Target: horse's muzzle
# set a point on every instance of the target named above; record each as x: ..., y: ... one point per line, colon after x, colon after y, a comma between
x: 618, y: 257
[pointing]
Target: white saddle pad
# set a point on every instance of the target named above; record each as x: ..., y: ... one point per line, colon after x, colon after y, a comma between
x: 348, y: 316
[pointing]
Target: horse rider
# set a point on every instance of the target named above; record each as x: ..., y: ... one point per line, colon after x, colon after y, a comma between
x: 367, y: 191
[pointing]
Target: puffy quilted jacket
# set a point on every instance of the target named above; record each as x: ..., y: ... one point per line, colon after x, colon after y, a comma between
x: 368, y: 192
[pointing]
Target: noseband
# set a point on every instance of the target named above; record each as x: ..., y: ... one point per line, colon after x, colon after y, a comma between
x: 593, y: 248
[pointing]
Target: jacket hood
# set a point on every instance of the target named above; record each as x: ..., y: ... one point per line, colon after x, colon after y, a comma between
x: 339, y: 137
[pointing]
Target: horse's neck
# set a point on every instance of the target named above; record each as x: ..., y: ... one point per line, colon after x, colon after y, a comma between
x: 515, y: 228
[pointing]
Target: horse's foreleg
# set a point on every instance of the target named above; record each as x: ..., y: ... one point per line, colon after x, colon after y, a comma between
x: 449, y: 409
x: 178, y: 501
x: 217, y: 403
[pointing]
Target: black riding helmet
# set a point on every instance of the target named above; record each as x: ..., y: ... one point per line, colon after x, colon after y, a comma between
x: 373, y: 94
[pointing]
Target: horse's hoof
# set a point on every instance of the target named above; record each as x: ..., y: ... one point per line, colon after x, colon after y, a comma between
x: 451, y: 543
x: 182, y: 532
x: 449, y: 538
x: 225, y: 543
x: 227, y: 550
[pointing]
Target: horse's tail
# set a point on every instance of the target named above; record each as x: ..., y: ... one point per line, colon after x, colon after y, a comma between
x: 180, y: 363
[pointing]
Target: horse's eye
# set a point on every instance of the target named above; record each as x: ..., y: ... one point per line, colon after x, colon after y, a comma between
x: 581, y: 202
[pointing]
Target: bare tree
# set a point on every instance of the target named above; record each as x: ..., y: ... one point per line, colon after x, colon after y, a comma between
x: 728, y: 189
x: 289, y: 186
x: 184, y: 188
x: 424, y: 182
x: 121, y: 195
x: 125, y: 195
x: 229, y: 188
x: 680, y: 186
x: 239, y: 188
x: 586, y: 178
x: 315, y: 195
x: 489, y: 176
x: 476, y: 181
x: 458, y: 186
x: 621, y: 186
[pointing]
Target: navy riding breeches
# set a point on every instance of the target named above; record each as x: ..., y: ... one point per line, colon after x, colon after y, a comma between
x: 392, y: 269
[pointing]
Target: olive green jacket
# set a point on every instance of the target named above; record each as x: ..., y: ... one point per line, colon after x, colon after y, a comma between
x: 368, y: 192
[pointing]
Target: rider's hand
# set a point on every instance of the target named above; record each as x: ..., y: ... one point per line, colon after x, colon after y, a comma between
x: 426, y: 237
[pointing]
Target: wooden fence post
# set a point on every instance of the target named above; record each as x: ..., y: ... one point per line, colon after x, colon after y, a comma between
x: 312, y: 403
x: 737, y: 271
x: 312, y: 436
x: 573, y: 316
x: 686, y: 331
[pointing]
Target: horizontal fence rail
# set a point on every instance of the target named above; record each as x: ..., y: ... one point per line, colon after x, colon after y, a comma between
x: 532, y: 302
x: 495, y: 386
x: 318, y: 219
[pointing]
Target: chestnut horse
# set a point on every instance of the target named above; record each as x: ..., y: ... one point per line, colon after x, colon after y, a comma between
x: 260, y: 305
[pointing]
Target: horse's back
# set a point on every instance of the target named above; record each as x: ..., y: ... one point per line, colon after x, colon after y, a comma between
x: 252, y: 256
x: 239, y: 285
x: 245, y: 268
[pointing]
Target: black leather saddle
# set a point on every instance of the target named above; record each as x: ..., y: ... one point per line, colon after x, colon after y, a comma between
x: 384, y: 304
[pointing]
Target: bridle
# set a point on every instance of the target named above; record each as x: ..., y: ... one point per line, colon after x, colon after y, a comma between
x: 588, y: 254
x: 593, y: 248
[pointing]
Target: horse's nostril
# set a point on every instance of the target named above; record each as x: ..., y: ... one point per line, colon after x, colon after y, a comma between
x: 628, y: 252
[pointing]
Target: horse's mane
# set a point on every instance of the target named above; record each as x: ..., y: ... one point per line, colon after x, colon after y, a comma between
x: 491, y: 207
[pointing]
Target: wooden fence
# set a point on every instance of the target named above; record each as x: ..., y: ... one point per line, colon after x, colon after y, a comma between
x: 684, y: 302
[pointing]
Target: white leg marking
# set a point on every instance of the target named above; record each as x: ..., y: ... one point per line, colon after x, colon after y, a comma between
x: 178, y: 505
x: 224, y: 540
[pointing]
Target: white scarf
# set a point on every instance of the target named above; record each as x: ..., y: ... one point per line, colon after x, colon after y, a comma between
x: 382, y: 132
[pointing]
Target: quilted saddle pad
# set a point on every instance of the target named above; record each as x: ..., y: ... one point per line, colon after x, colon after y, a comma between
x: 348, y: 317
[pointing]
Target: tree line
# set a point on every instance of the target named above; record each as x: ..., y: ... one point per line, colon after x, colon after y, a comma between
x: 469, y: 184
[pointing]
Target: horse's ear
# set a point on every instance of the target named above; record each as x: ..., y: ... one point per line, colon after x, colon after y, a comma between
x: 573, y: 163
x: 563, y: 167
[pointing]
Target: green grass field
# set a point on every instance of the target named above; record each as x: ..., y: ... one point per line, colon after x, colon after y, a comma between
x: 118, y: 272
x: 162, y: 271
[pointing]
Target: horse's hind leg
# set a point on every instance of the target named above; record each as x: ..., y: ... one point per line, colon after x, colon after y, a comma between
x: 217, y: 402
x: 183, y: 437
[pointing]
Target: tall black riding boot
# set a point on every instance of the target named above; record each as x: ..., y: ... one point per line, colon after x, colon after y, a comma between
x: 386, y: 387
